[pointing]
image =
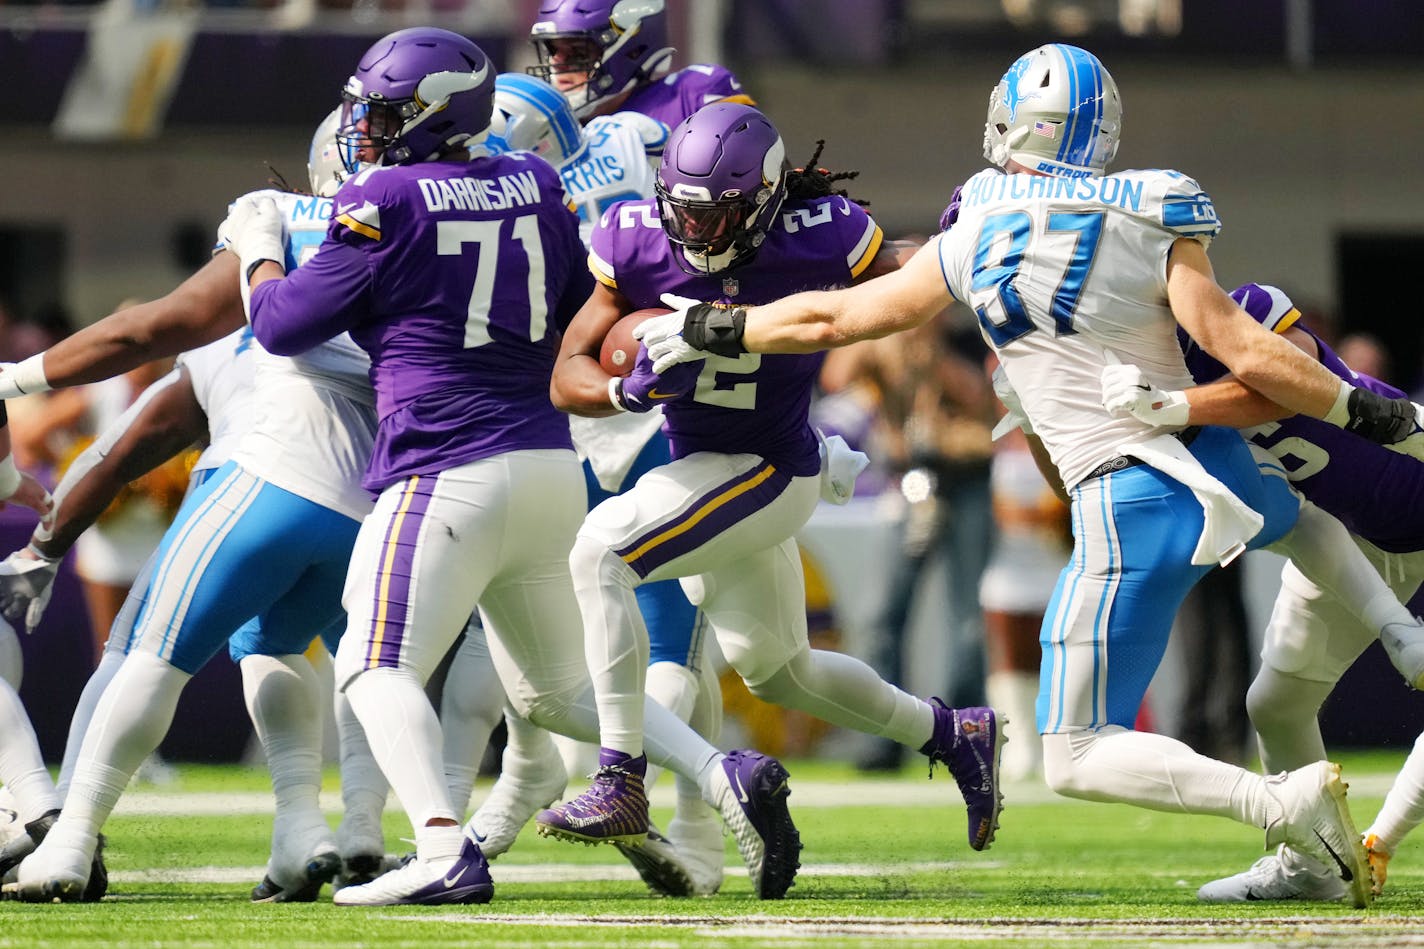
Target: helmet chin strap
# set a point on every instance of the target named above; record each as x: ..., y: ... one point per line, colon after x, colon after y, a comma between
x: 710, y: 263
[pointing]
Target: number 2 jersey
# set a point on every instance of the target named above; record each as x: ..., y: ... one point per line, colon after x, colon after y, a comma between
x: 1067, y: 275
x: 454, y: 277
x: 754, y: 403
x: 1376, y: 492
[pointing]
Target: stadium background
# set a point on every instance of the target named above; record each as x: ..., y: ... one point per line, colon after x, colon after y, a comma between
x: 131, y: 124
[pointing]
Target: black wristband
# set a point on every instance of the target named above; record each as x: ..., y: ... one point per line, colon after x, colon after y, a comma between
x: 252, y: 267
x: 1378, y: 418
x: 715, y: 329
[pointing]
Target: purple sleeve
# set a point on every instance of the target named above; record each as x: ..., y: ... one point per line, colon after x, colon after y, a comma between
x: 322, y: 299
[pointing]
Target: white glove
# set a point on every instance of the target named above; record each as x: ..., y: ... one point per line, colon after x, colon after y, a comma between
x: 663, y: 335
x: 1016, y: 418
x: 1412, y: 445
x: 26, y: 582
x: 1127, y: 392
x: 253, y: 231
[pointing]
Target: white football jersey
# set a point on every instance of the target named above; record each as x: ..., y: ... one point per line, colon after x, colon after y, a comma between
x: 313, y: 415
x: 221, y: 374
x: 617, y: 162
x: 1067, y: 275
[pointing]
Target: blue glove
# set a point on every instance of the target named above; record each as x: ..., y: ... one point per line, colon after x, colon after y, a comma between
x: 643, y: 388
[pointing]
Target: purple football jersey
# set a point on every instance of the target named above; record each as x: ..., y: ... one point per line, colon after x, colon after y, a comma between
x: 456, y: 278
x: 1377, y: 493
x: 756, y: 403
x: 679, y: 94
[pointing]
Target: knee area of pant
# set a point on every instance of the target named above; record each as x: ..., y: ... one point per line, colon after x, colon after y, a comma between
x: 591, y: 557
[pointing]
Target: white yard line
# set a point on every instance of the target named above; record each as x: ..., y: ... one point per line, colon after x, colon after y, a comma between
x: 903, y: 792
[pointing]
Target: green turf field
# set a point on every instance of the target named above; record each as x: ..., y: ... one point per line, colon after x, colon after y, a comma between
x: 885, y: 864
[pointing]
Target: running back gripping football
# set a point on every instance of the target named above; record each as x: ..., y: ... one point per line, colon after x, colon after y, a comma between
x: 620, y: 349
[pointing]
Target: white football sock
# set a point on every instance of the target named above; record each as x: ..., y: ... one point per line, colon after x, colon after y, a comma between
x: 22, y: 767
x: 529, y: 750
x: 844, y: 691
x: 706, y: 720
x: 130, y: 720
x: 1015, y: 695
x: 615, y: 641
x: 470, y: 707
x: 284, y: 699
x: 1153, y: 771
x: 1403, y: 808
x: 405, y: 738
x: 363, y: 786
x: 675, y: 688
x: 99, y: 679
x: 1284, y: 711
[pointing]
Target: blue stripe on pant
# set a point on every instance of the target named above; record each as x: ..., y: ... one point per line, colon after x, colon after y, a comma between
x: 246, y: 549
x: 1134, y: 532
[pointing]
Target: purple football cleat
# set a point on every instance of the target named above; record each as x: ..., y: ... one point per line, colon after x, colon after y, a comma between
x: 614, y: 809
x: 751, y: 796
x: 968, y: 742
x: 464, y: 880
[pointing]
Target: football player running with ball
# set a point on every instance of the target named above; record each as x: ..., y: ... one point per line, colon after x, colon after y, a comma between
x: 730, y: 223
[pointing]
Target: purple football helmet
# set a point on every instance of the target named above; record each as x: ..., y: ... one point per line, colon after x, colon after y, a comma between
x: 592, y: 50
x: 415, y: 94
x: 721, y: 185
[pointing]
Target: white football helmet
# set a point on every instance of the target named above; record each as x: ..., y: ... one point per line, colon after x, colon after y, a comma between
x: 324, y: 165
x: 1055, y: 111
x: 532, y: 116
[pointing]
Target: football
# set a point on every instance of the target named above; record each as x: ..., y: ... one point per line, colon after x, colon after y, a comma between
x: 620, y: 349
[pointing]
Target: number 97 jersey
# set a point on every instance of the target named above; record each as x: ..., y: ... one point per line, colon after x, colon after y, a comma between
x: 1067, y: 275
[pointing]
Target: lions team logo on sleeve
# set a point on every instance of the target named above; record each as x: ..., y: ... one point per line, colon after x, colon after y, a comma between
x: 1190, y: 214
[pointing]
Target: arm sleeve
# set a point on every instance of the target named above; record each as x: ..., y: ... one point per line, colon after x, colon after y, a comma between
x: 322, y: 299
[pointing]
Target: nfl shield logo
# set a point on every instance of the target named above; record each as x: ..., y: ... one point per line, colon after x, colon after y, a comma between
x: 731, y: 286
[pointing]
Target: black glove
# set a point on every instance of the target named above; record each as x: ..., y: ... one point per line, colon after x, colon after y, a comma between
x: 1380, y: 419
x: 715, y: 329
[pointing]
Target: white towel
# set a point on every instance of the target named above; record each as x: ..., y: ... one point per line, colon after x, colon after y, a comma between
x: 840, y: 466
x: 1229, y: 523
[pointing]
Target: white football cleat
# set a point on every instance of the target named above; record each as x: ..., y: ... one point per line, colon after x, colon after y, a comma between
x: 58, y: 870
x: 454, y: 880
x: 512, y: 803
x: 1316, y: 821
x: 300, y: 864
x: 1283, y: 875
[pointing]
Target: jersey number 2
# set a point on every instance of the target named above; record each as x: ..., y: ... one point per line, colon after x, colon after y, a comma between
x: 999, y: 258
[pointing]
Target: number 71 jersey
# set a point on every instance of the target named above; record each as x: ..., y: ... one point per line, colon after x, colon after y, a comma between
x: 1066, y: 275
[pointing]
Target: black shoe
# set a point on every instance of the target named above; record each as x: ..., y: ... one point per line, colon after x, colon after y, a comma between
x: 319, y: 872
x: 18, y: 848
x: 98, y: 883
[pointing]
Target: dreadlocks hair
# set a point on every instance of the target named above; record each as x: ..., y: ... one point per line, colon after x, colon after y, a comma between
x: 279, y: 181
x: 812, y: 181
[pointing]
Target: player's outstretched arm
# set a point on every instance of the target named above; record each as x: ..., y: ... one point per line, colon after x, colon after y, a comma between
x: 889, y: 299
x: 1269, y: 364
x: 165, y: 420
x: 205, y: 307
